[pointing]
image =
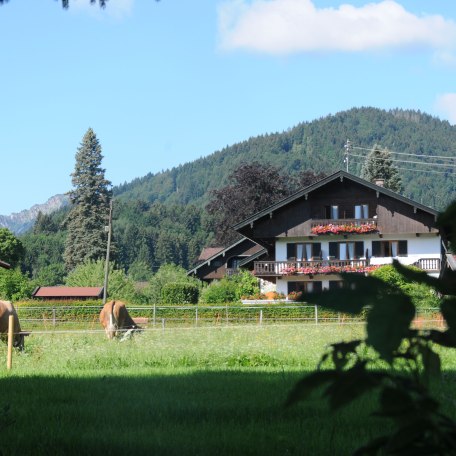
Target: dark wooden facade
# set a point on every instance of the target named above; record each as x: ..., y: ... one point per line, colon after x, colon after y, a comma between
x: 295, y: 216
x: 226, y: 261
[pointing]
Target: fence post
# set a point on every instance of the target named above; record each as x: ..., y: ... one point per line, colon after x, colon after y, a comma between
x: 163, y: 324
x: 155, y: 313
x: 53, y: 317
x: 261, y: 316
x: 316, y: 314
x: 9, y: 359
x: 227, y: 319
x: 196, y: 316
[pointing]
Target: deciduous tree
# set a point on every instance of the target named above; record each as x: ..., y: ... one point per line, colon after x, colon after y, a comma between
x: 252, y: 187
x: 11, y: 248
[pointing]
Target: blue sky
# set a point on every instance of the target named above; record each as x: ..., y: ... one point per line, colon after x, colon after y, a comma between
x: 166, y: 83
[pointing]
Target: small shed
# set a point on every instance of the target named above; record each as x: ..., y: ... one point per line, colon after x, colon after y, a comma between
x: 60, y: 293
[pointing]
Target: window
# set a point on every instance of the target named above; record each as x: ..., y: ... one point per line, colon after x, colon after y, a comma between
x: 332, y: 212
x: 233, y: 263
x: 340, y: 284
x: 389, y: 248
x: 305, y: 287
x: 361, y: 211
x: 304, y: 251
x: 346, y: 250
x: 336, y: 284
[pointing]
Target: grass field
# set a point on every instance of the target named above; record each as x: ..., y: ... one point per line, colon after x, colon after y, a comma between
x: 181, y: 392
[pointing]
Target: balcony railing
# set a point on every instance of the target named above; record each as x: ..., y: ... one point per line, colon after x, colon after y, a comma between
x: 343, y: 226
x: 342, y: 222
x: 428, y: 264
x: 314, y: 267
x: 281, y: 268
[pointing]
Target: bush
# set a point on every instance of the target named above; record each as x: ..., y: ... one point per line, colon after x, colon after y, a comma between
x: 422, y: 295
x: 220, y: 292
x: 180, y: 293
x: 14, y: 285
x: 246, y: 283
x: 168, y: 273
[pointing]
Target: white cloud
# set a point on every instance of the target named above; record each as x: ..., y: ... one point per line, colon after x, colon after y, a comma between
x: 286, y: 26
x: 114, y: 8
x: 446, y: 105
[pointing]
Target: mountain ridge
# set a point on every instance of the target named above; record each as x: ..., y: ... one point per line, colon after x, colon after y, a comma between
x: 20, y: 222
x: 316, y: 145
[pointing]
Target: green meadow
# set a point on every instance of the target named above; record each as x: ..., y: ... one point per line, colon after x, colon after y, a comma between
x: 182, y: 392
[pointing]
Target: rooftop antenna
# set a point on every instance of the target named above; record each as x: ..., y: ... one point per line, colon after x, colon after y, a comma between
x: 347, y: 147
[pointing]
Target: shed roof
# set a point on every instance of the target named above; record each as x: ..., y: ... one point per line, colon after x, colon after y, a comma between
x: 68, y: 292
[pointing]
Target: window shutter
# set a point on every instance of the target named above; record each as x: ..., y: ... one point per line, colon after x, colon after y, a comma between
x: 291, y: 251
x: 317, y: 287
x: 316, y: 249
x: 376, y: 248
x: 402, y: 248
x: 291, y: 287
x: 333, y: 249
x: 359, y: 249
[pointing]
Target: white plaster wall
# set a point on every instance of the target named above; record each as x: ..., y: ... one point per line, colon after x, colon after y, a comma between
x: 418, y: 247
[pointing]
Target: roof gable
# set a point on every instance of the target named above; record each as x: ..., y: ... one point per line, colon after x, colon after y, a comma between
x: 303, y: 193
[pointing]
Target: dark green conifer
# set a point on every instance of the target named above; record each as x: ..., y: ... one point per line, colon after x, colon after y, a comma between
x: 87, y: 238
x: 379, y: 165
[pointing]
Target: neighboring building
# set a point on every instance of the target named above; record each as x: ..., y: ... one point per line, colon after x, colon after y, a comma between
x: 218, y: 262
x: 67, y: 293
x: 341, y: 224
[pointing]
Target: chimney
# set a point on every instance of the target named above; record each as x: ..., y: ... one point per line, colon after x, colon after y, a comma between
x: 379, y: 181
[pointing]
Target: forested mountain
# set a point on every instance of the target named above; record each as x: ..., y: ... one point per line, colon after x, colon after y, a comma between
x: 317, y: 146
x: 161, y: 218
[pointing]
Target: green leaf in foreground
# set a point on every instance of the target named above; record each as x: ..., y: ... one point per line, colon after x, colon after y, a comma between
x: 388, y: 323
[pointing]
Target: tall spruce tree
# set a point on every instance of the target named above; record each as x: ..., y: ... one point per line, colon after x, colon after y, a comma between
x: 379, y: 165
x: 86, y: 238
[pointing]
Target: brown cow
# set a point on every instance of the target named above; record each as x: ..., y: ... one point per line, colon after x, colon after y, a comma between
x: 116, y: 320
x: 7, y: 309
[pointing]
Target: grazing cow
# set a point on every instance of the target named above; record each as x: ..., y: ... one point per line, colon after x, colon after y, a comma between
x: 115, y: 319
x: 7, y: 309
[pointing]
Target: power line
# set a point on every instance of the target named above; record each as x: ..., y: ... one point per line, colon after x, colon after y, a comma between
x: 447, y: 165
x: 443, y: 157
x: 450, y: 173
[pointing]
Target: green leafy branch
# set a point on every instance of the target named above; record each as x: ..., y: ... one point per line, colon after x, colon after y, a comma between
x: 394, y: 359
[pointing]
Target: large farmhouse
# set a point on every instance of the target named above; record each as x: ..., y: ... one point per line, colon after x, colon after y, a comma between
x: 341, y: 224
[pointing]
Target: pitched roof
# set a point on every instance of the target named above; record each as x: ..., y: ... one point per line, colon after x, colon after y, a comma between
x: 68, y: 292
x: 209, y: 252
x: 338, y: 175
x: 223, y: 251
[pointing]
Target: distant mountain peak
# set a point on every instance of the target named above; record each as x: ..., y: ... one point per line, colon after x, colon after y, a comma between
x: 19, y: 222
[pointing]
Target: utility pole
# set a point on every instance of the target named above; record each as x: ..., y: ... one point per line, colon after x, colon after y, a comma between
x: 108, y: 228
x: 347, y: 148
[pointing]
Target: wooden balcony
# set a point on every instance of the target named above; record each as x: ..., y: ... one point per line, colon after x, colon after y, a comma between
x: 341, y: 222
x: 343, y: 226
x: 231, y: 271
x: 281, y: 268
